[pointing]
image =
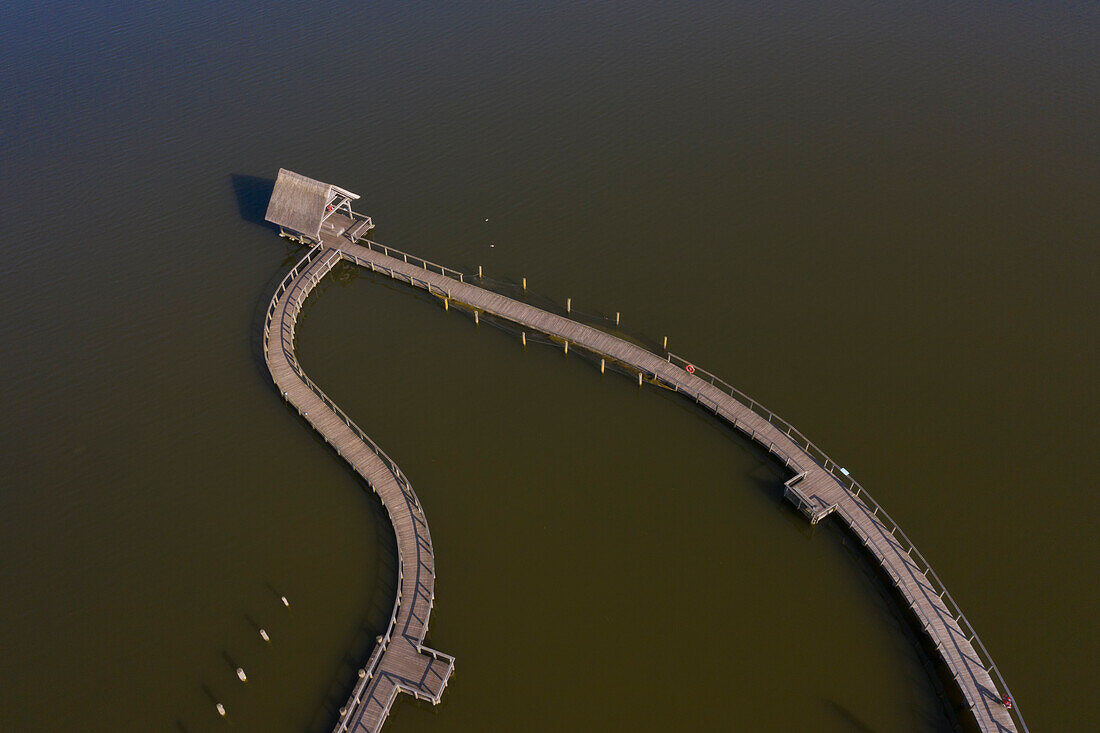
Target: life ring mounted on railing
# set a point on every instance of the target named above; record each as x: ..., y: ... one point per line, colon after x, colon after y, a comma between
x: 689, y: 368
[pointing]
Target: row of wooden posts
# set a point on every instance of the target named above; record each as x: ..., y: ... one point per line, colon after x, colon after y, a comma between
x: 568, y: 309
x: 568, y: 302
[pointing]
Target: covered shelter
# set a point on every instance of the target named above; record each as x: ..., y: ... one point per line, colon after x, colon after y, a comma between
x: 301, y: 206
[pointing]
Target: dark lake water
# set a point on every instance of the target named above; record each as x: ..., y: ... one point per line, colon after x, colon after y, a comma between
x: 880, y: 219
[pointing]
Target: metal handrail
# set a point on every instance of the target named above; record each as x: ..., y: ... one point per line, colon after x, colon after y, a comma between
x: 848, y: 482
x: 398, y: 275
x: 407, y: 258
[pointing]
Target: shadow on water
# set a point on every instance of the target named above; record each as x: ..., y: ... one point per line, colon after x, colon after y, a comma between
x: 253, y: 193
x: 373, y: 624
x: 955, y: 715
x: 848, y: 717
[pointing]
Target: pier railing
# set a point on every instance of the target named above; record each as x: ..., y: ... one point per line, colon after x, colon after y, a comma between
x: 398, y: 275
x: 845, y: 479
x: 411, y: 259
x: 745, y: 427
x: 366, y: 674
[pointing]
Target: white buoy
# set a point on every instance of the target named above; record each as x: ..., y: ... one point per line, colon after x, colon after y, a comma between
x: 264, y: 636
x: 285, y: 602
x: 486, y: 220
x: 492, y: 245
x: 241, y: 675
x: 221, y: 709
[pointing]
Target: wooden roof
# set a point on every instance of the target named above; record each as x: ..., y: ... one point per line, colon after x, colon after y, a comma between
x: 298, y: 203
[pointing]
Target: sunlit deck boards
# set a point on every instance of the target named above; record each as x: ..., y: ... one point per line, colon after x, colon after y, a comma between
x: 400, y: 663
x: 814, y: 489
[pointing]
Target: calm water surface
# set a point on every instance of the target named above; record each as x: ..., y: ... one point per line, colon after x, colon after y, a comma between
x: 879, y: 219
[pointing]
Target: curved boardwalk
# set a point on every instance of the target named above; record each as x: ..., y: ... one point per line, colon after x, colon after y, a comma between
x: 818, y: 486
x: 400, y: 662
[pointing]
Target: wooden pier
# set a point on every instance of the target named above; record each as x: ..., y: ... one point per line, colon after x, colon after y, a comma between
x: 400, y: 662
x: 817, y: 486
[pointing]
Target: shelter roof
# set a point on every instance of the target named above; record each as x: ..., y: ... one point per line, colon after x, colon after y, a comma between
x: 298, y: 202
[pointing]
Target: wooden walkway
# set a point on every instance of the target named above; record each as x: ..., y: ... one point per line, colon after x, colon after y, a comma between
x: 818, y: 487
x: 400, y: 662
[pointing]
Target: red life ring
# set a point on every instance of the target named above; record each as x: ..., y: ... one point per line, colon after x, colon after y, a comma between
x: 689, y: 369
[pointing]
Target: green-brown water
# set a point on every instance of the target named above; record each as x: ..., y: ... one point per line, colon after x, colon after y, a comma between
x: 878, y: 219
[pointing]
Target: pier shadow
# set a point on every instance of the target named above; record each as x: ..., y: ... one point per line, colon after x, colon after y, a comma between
x: 253, y: 193
x: 850, y: 719
x: 955, y: 713
x: 770, y: 482
x: 372, y: 624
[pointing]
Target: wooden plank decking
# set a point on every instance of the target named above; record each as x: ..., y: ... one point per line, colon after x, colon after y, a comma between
x: 815, y: 487
x: 400, y: 662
